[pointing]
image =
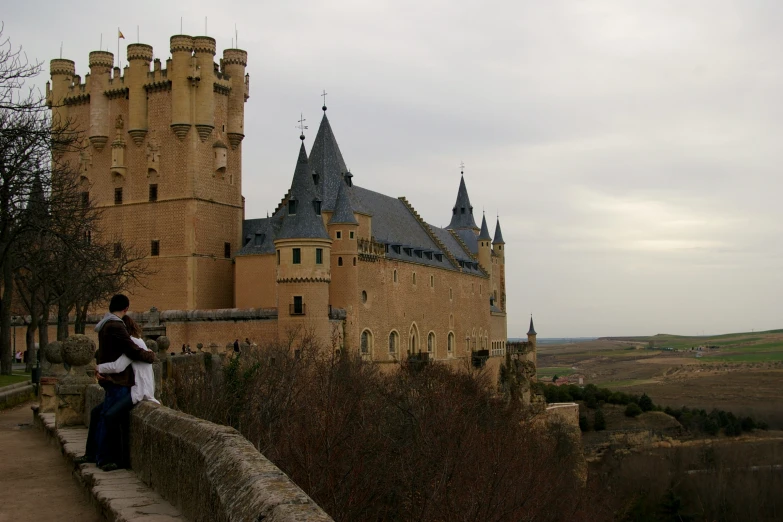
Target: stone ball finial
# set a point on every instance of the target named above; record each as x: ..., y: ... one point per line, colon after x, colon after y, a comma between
x: 53, y: 352
x: 163, y: 343
x: 78, y: 350
x: 151, y: 345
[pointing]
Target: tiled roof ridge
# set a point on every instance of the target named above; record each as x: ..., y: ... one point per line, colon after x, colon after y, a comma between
x: 462, y: 244
x: 283, y: 201
x: 429, y: 232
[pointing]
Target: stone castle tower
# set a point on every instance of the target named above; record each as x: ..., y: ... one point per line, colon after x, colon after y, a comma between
x: 162, y: 159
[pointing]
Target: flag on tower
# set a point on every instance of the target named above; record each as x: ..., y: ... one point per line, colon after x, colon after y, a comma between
x: 119, y: 34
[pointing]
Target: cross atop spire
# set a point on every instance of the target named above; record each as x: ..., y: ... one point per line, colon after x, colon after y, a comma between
x: 302, y: 127
x: 462, y: 168
x: 323, y: 95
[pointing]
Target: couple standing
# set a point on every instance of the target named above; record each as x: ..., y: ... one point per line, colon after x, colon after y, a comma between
x: 125, y: 373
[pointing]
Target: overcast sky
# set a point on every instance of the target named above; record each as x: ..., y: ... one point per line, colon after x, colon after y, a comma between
x: 632, y: 148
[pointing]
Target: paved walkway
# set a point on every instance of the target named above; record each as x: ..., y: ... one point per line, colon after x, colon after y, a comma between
x: 35, y: 480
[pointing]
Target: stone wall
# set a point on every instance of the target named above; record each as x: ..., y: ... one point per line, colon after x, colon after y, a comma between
x: 210, y: 472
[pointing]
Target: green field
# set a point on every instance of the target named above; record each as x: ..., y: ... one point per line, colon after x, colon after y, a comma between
x: 5, y: 380
x: 551, y: 371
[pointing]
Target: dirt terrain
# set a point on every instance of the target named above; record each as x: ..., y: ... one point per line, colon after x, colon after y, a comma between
x: 742, y: 373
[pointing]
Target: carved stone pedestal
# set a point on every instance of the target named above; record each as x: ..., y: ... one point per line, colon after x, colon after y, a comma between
x: 77, y: 352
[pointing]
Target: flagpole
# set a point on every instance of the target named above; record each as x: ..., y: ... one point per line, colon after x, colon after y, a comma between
x: 118, y: 48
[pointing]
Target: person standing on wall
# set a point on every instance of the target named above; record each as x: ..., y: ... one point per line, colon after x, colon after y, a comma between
x: 236, y: 345
x: 114, y: 341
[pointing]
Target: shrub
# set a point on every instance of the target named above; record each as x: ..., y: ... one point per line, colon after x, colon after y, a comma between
x: 710, y: 426
x: 599, y: 421
x: 633, y: 410
x: 645, y: 402
x: 748, y: 424
x: 584, y: 424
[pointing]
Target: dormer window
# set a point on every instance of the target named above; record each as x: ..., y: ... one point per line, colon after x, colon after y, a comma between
x: 462, y: 210
x: 348, y: 179
x: 291, y: 207
x: 439, y: 257
x: 317, y: 206
x: 408, y: 251
x: 454, y: 211
x: 396, y: 249
x: 471, y: 210
x: 315, y: 178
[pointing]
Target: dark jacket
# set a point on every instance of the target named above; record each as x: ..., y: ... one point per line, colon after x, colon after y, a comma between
x: 113, y: 341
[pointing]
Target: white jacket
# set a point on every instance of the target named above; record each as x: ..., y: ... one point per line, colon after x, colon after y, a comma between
x: 144, y: 389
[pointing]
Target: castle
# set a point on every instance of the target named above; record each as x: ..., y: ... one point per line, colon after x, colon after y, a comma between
x: 163, y: 160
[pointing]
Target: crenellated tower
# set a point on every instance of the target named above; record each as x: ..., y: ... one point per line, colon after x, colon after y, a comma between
x: 499, y: 252
x: 485, y: 246
x: 161, y: 188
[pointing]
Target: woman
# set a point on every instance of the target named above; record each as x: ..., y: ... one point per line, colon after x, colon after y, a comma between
x: 144, y: 389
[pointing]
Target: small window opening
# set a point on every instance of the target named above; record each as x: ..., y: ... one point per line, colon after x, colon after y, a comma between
x: 354, y: 261
x: 291, y: 207
x: 432, y: 281
x: 339, y: 235
x: 227, y: 250
x: 463, y: 210
x: 319, y: 256
x: 339, y: 261
x: 118, y: 196
x: 297, y: 256
x: 364, y: 296
x: 278, y: 257
x: 155, y: 247
x: 85, y: 199
x: 414, y: 278
x: 317, y: 206
x: 350, y: 234
x: 153, y: 192
x: 395, y: 276
x: 117, y: 249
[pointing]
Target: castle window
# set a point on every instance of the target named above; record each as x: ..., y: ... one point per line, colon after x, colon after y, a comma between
x: 364, y: 296
x: 396, y: 249
x: 408, y: 251
x: 298, y: 308
x: 154, y: 247
x: 88, y: 237
x: 153, y: 192
x: 315, y: 178
x: 366, y: 344
x: 118, y: 196
x: 394, y: 341
x: 291, y: 207
x: 117, y: 249
x: 317, y: 206
x: 339, y: 261
x: 431, y: 343
x: 454, y: 211
x: 339, y: 234
x: 278, y: 257
x: 85, y: 199
x: 354, y: 261
x: 500, y: 247
x: 432, y: 281
x: 439, y: 258
x: 386, y: 248
x: 450, y: 345
x: 227, y: 250
x: 451, y: 294
x: 414, y: 278
x: 428, y: 255
x: 395, y: 276
x: 350, y: 234
x: 319, y: 256
x: 297, y: 256
x: 463, y: 210
x: 418, y: 253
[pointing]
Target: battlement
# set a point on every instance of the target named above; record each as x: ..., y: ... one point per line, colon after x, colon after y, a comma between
x: 62, y: 66
x: 234, y: 56
x: 204, y: 44
x: 101, y: 59
x: 139, y: 51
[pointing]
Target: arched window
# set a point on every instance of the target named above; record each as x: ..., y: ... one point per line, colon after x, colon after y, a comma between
x: 339, y: 261
x: 354, y: 261
x: 414, y: 278
x: 395, y: 276
x: 431, y: 343
x: 413, y: 338
x: 366, y: 346
x: 450, y: 345
x: 432, y: 281
x: 393, y: 342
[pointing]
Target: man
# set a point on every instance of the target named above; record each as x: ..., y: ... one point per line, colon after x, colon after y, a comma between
x: 110, y: 443
x: 236, y: 345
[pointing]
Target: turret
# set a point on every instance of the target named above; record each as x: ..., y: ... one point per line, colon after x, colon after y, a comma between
x: 499, y: 250
x: 100, y: 70
x: 139, y: 58
x: 204, y: 48
x: 462, y: 213
x: 181, y: 73
x: 62, y: 72
x: 344, y: 229
x: 531, y: 333
x: 234, y: 63
x: 303, y: 250
x: 485, y: 246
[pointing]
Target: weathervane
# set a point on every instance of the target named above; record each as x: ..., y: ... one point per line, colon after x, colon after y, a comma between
x: 462, y: 167
x: 302, y: 127
x: 323, y: 95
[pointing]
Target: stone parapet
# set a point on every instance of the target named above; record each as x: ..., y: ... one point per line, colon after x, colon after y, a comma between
x: 217, y: 474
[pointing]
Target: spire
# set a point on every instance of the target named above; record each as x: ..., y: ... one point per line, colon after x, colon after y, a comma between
x: 343, y: 210
x: 327, y: 161
x: 462, y: 213
x: 498, y: 234
x: 484, y: 235
x: 532, y: 330
x: 301, y: 219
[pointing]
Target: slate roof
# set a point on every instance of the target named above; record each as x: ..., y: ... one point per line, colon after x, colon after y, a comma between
x: 462, y: 213
x: 470, y: 239
x: 305, y: 223
x: 343, y: 211
x: 258, y: 236
x: 498, y: 234
x: 326, y: 160
x: 532, y: 330
x: 484, y: 235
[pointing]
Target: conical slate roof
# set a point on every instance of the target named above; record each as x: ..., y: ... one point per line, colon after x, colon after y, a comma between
x: 532, y: 330
x: 326, y: 160
x: 305, y: 223
x: 462, y: 216
x: 498, y: 234
x: 484, y: 235
x: 36, y: 204
x: 343, y: 210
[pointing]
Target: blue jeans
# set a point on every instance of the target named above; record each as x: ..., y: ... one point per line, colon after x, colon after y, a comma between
x: 114, y: 428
